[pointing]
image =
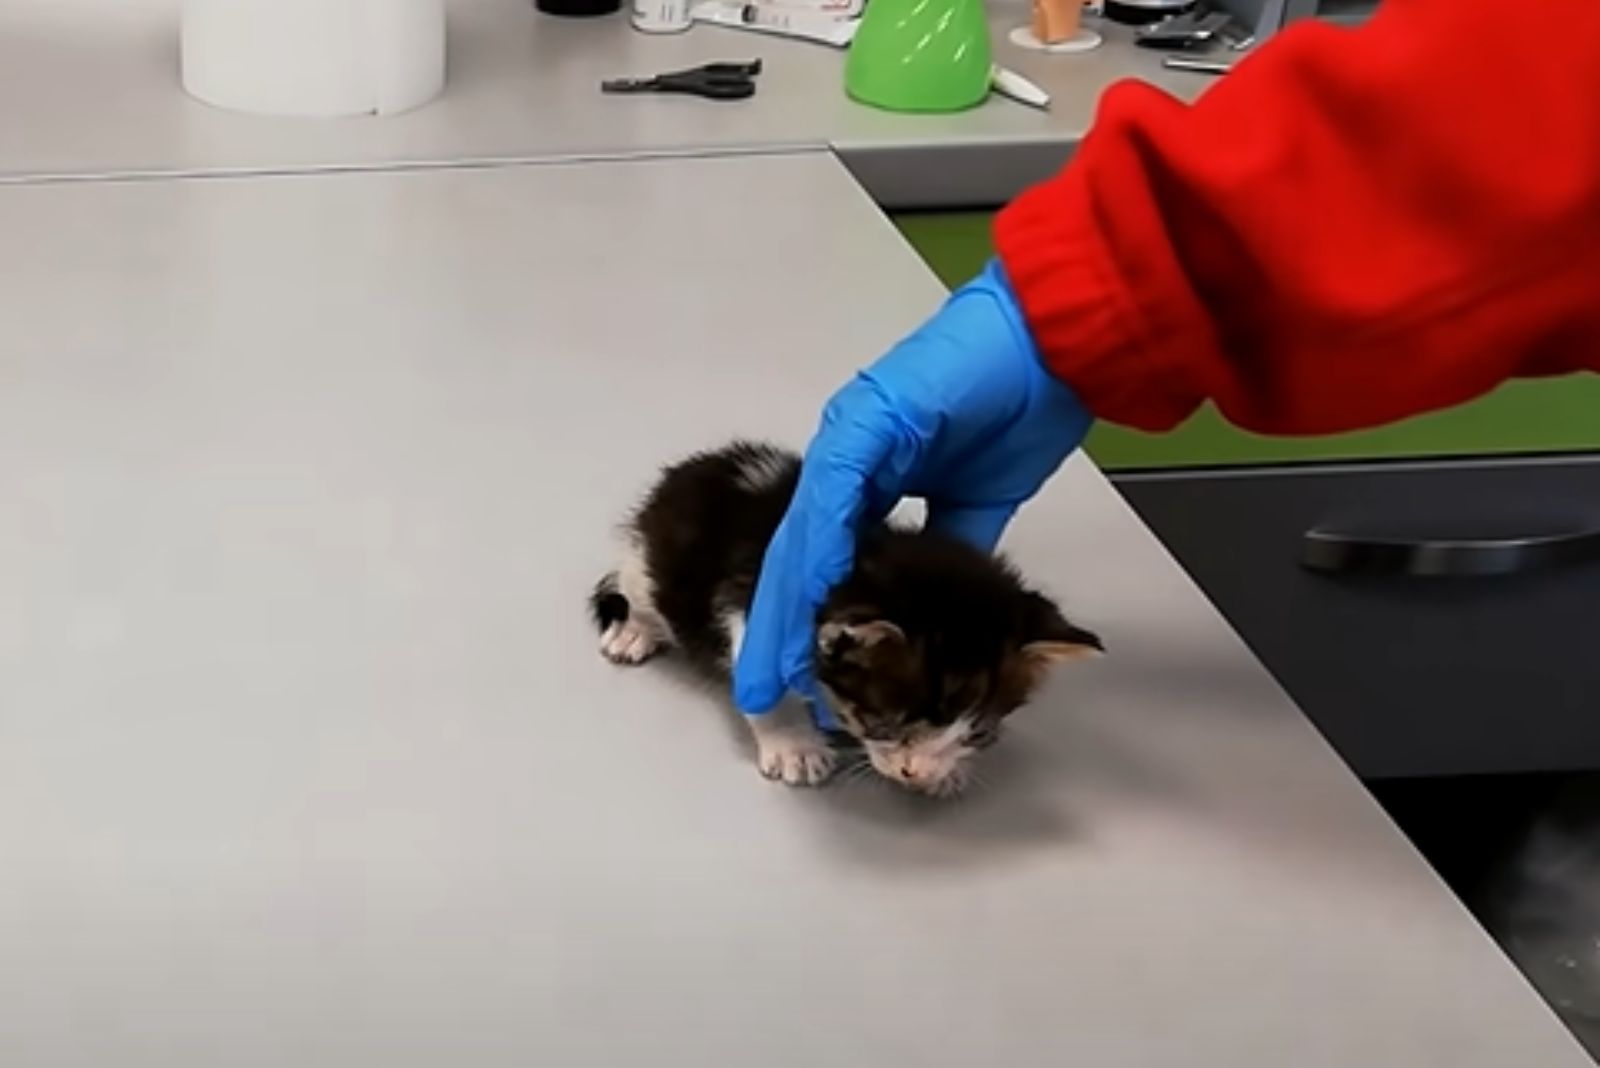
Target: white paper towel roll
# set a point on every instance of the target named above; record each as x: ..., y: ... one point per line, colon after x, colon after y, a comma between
x: 314, y: 57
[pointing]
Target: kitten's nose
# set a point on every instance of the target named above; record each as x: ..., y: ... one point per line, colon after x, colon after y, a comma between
x: 906, y: 773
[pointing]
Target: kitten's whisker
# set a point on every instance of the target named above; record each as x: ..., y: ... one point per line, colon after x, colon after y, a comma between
x: 978, y: 782
x: 859, y: 772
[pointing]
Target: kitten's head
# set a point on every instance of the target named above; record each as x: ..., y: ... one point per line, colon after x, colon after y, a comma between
x: 927, y: 646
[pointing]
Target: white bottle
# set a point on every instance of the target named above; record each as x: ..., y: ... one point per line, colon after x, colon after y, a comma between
x: 661, y: 16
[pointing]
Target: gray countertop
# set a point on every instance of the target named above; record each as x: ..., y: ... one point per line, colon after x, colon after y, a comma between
x: 90, y: 87
x: 307, y: 758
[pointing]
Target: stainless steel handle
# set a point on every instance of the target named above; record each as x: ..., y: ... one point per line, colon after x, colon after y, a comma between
x: 1335, y: 552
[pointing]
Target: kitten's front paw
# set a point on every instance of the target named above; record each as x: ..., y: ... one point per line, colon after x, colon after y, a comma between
x: 798, y: 757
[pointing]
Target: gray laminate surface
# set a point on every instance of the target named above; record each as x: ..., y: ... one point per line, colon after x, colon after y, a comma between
x: 307, y: 758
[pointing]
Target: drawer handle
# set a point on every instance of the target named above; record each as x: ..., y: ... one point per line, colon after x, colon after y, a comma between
x: 1343, y: 553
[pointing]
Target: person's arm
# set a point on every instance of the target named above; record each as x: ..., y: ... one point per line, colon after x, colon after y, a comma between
x: 1350, y: 228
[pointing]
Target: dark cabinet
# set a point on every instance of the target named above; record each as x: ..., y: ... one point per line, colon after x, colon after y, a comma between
x: 1408, y: 673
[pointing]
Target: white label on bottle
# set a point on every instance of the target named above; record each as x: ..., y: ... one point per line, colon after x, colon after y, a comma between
x: 660, y: 16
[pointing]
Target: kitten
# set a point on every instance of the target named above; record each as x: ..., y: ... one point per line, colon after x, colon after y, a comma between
x: 921, y: 651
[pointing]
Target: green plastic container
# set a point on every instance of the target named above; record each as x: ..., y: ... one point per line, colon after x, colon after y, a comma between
x: 920, y: 55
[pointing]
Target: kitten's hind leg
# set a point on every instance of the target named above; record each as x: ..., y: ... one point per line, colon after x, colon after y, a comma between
x: 607, y: 604
x: 622, y: 640
x: 631, y: 630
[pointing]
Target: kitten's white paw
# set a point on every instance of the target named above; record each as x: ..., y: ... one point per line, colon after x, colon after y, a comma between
x: 799, y: 757
x: 628, y: 642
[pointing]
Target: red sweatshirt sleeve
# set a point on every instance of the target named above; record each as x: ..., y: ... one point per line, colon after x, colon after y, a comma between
x: 1352, y: 227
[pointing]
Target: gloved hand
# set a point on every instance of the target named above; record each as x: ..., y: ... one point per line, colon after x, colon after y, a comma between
x: 961, y: 413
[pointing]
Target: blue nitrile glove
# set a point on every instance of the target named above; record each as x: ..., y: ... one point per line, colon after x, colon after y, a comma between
x: 961, y: 413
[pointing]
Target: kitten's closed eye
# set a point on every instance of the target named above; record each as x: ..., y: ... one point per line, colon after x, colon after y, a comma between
x: 961, y: 696
x: 881, y: 730
x: 983, y: 736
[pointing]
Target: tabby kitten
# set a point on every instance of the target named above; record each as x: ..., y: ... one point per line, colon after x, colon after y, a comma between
x: 922, y: 651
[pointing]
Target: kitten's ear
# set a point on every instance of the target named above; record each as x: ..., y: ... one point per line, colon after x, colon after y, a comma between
x: 837, y: 639
x: 1042, y: 656
x: 1052, y: 640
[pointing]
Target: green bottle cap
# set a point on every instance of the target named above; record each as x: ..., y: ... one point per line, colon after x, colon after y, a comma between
x: 920, y: 55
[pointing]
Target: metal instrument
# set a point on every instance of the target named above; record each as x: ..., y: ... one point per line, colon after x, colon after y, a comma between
x: 713, y: 81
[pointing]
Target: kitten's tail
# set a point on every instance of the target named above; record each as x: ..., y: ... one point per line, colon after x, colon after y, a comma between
x: 607, y: 604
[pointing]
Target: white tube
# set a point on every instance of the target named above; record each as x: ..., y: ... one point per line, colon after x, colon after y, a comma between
x: 843, y: 9
x: 824, y: 29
